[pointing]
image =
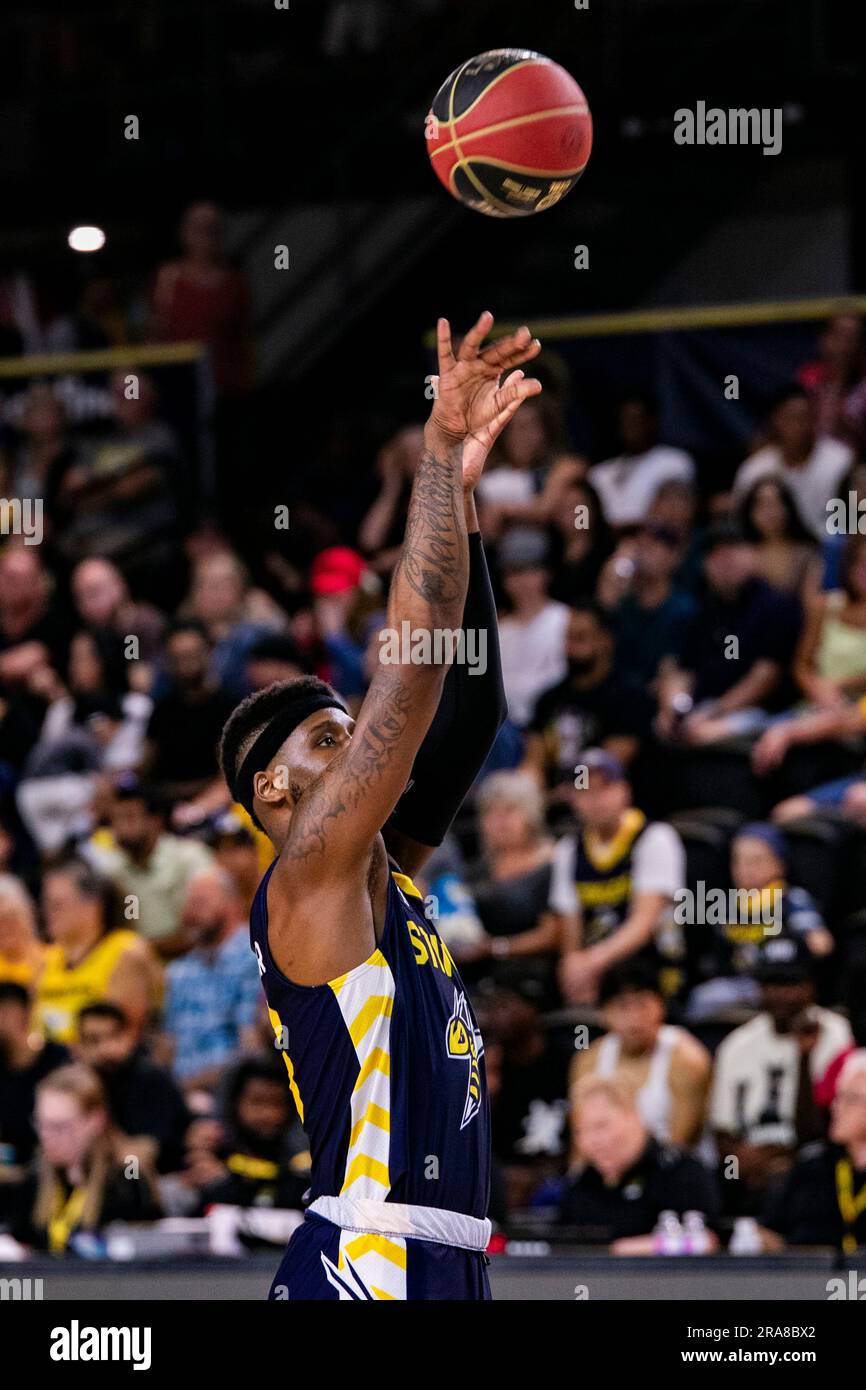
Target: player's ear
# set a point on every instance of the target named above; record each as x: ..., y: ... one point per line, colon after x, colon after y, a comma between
x: 272, y: 786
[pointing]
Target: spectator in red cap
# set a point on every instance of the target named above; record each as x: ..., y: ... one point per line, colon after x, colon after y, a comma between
x: 346, y: 595
x: 336, y: 571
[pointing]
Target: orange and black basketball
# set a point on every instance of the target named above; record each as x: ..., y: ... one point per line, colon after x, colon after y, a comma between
x: 509, y: 133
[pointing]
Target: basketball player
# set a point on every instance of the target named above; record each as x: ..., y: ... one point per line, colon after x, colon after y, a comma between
x: 384, y: 1057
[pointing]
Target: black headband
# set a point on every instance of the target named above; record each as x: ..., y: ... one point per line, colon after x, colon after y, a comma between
x: 272, y: 738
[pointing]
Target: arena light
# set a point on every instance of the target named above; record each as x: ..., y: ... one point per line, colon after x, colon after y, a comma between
x: 86, y: 238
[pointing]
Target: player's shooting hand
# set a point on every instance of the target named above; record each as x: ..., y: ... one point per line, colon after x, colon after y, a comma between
x: 473, y: 404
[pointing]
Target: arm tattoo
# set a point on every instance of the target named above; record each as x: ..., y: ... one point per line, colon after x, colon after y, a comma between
x: 430, y: 563
x: 339, y: 791
x: 429, y: 587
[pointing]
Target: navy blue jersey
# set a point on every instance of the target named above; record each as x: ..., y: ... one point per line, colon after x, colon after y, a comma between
x: 603, y: 877
x: 386, y: 1066
x: 777, y: 910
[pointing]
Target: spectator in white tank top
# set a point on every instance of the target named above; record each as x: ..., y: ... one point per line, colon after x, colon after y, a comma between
x: 668, y: 1069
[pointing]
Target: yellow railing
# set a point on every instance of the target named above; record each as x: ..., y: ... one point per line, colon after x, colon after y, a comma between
x: 101, y: 359
x: 673, y: 320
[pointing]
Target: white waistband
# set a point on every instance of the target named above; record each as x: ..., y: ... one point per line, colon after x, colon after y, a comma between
x: 368, y: 1216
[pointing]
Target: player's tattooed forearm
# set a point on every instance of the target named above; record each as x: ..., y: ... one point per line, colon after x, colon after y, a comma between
x: 430, y: 563
x: 433, y: 566
x: 339, y: 792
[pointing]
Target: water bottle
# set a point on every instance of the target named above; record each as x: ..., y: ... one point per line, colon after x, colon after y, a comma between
x: 668, y: 1234
x: 745, y: 1238
x: 696, y: 1236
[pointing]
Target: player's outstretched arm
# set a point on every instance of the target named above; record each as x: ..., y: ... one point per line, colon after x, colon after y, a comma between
x: 338, y: 817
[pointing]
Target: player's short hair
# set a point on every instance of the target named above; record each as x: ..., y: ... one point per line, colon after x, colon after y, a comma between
x: 255, y: 713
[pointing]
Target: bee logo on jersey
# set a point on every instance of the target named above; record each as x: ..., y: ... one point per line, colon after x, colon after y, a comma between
x: 463, y: 1042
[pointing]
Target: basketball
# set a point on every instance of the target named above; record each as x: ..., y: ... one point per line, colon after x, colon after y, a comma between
x: 509, y: 133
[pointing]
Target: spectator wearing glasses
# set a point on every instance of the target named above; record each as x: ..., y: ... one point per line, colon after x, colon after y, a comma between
x: 78, y: 1184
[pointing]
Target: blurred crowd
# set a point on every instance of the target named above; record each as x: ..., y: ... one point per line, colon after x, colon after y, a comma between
x: 654, y: 891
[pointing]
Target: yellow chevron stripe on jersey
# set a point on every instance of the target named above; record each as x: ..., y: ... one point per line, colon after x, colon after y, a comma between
x: 404, y: 881
x: 277, y: 1025
x: 379, y: 1262
x: 378, y: 1006
x: 393, y: 1250
x: 371, y: 1116
x: 365, y: 997
x: 377, y: 1061
x: 365, y: 1166
x: 376, y: 959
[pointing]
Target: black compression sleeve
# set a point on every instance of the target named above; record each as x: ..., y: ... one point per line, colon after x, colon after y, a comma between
x: 471, y: 710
